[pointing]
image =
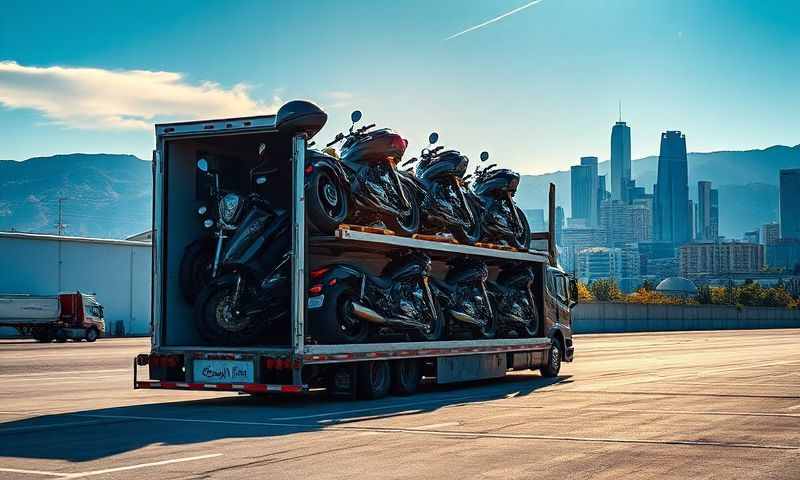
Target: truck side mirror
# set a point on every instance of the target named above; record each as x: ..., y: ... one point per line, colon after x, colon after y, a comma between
x: 573, y: 291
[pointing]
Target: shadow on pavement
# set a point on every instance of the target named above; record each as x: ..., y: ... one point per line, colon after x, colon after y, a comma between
x: 96, y: 434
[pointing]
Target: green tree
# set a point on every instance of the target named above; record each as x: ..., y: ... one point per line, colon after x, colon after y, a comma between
x: 605, y: 290
x: 647, y: 286
x: 704, y: 296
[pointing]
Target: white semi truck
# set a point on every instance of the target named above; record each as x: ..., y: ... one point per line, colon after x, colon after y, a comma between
x: 180, y: 358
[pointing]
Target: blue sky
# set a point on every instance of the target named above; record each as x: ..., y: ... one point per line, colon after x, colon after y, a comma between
x: 538, y: 89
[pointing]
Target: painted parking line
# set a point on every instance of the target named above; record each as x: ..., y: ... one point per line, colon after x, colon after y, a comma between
x: 104, y: 471
x: 795, y: 407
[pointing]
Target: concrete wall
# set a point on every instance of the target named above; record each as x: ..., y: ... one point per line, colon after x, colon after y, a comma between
x: 117, y: 271
x: 607, y: 317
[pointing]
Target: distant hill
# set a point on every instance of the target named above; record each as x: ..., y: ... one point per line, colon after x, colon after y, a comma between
x: 105, y: 195
x: 747, y: 183
x: 111, y: 195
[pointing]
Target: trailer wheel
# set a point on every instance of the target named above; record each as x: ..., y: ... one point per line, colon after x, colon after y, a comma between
x: 553, y: 361
x: 91, y: 334
x: 61, y: 336
x: 374, y: 379
x: 406, y: 375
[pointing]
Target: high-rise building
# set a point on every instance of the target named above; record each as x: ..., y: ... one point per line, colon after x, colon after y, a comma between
x: 597, y: 263
x: 584, y: 183
x: 720, y: 258
x: 535, y: 218
x: 620, y: 160
x: 559, y: 223
x: 790, y: 203
x: 703, y: 218
x: 671, y: 217
x: 784, y: 254
x: 574, y: 240
x: 714, y: 230
x: 770, y: 233
x: 626, y: 223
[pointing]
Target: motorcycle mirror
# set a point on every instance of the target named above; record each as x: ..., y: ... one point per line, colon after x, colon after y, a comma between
x: 261, y: 180
x: 202, y: 210
x: 484, y: 156
x: 433, y: 138
x: 355, y: 116
x: 202, y: 164
x: 261, y: 149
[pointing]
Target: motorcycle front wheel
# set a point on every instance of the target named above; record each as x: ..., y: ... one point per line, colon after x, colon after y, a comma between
x: 408, y: 224
x: 522, y: 236
x: 469, y: 234
x: 217, y: 320
x: 326, y: 201
x: 436, y: 329
x: 196, y: 267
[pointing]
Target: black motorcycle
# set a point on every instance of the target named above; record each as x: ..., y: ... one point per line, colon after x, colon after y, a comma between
x: 442, y: 193
x: 248, y: 294
x: 365, y: 186
x: 502, y: 221
x: 465, y: 300
x: 514, y: 303
x: 346, y: 304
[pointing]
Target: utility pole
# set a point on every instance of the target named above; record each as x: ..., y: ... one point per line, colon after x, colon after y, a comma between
x: 60, y: 226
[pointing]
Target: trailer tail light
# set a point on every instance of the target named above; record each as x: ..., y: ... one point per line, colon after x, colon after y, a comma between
x: 309, y: 169
x: 315, y: 290
x: 318, y: 273
x: 165, y: 361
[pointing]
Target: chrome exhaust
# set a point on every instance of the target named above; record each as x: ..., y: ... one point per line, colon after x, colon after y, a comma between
x: 463, y: 317
x: 370, y: 315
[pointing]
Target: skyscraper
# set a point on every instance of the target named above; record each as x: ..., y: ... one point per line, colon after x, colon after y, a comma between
x: 584, y: 183
x: 790, y: 203
x: 670, y: 222
x: 620, y: 160
x: 714, y: 230
x: 703, y: 221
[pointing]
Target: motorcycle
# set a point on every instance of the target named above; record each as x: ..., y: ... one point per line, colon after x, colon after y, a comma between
x: 346, y: 304
x: 465, y: 299
x: 364, y: 187
x: 248, y: 293
x: 514, y: 302
x: 442, y: 192
x: 502, y: 221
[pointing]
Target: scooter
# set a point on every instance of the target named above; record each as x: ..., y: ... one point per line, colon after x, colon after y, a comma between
x: 366, y: 186
x: 442, y: 193
x: 346, y: 304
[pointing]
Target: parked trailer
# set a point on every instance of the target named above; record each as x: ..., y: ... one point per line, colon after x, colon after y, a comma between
x: 72, y: 315
x: 180, y: 359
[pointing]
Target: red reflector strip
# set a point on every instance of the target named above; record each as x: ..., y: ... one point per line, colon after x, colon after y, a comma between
x: 247, y: 387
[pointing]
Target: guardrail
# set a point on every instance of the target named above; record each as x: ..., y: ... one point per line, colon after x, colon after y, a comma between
x: 611, y: 317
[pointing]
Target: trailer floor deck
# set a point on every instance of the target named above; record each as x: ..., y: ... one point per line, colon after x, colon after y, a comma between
x: 676, y: 405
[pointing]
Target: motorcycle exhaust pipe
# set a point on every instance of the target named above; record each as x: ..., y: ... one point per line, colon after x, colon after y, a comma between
x: 370, y: 315
x: 463, y: 317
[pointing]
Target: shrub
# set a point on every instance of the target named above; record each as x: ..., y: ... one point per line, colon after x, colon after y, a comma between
x: 605, y: 290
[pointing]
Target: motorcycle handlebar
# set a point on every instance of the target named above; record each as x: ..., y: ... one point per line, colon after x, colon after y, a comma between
x: 409, y: 161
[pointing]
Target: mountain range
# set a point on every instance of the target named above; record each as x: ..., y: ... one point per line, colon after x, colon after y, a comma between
x: 110, y: 196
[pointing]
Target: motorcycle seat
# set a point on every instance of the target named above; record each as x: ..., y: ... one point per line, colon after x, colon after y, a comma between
x: 383, y: 283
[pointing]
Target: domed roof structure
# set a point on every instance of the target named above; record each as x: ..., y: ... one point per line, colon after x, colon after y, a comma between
x: 677, y: 286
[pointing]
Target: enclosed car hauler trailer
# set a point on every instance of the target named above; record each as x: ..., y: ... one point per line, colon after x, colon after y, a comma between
x: 181, y: 359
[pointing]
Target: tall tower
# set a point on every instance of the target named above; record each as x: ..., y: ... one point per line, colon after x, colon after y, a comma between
x: 594, y: 200
x: 670, y: 219
x: 703, y: 224
x: 620, y: 160
x: 790, y: 203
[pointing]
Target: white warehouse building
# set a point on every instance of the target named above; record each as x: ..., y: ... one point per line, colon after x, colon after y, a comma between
x: 117, y: 271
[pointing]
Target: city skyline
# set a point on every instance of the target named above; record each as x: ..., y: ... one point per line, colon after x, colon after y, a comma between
x: 101, y: 90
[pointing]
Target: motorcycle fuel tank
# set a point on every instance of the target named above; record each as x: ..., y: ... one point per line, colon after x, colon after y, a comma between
x: 404, y: 267
x: 498, y: 181
x: 467, y: 272
x: 375, y: 146
x: 447, y: 164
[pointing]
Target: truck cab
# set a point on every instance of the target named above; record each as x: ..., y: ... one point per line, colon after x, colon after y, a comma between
x: 560, y: 295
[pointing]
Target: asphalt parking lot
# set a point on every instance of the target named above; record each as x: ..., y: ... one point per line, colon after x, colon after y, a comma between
x: 679, y: 405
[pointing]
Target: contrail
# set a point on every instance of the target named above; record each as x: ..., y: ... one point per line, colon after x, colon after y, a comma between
x: 495, y: 19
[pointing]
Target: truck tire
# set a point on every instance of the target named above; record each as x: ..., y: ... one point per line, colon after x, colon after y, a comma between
x: 326, y: 201
x: 553, y: 361
x: 91, y: 334
x: 406, y: 375
x: 374, y: 379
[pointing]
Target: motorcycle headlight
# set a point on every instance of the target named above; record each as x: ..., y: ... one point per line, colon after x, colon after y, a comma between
x: 229, y: 207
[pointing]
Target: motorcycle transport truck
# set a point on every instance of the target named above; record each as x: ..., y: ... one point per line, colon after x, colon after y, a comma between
x: 275, y: 270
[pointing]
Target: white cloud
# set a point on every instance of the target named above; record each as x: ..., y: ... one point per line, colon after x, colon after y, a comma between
x: 339, y: 99
x: 94, y: 98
